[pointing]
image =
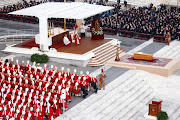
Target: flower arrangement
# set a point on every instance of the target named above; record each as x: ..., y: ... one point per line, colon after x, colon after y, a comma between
x: 97, y: 32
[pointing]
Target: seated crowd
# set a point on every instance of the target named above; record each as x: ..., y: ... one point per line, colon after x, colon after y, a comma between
x: 19, y: 6
x: 32, y: 92
x: 116, y: 10
x: 148, y: 20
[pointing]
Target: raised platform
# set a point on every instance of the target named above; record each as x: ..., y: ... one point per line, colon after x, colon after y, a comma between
x: 75, y: 55
x: 161, y: 66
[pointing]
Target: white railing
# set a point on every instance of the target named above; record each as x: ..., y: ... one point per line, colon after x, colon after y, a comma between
x: 16, y: 36
x: 24, y: 31
x: 15, y: 40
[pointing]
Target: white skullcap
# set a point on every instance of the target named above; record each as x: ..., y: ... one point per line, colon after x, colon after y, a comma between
x: 67, y: 89
x: 55, y: 101
x: 76, y: 84
x: 59, y: 87
x: 55, y: 68
x: 65, y: 75
x: 55, y: 95
x: 23, y: 112
x: 45, y: 65
x: 51, y: 66
x: 29, y: 114
x: 31, y: 109
x: 63, y: 81
x: 17, y: 111
x: 62, y: 68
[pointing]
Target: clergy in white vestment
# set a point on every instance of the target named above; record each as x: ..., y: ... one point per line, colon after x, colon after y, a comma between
x: 66, y: 41
x: 82, y: 30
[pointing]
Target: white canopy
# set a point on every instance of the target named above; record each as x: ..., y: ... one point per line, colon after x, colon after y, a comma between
x: 73, y: 10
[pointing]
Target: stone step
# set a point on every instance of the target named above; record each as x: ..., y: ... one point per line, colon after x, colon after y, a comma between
x: 109, y: 101
x: 133, y: 105
x: 178, y: 56
x: 102, y: 60
x: 176, y: 47
x: 76, y: 110
x: 107, y: 56
x: 167, y: 48
x: 102, y: 47
x: 112, y: 110
x: 131, y: 114
x: 171, y: 111
x: 125, y: 102
x: 174, y: 55
x: 104, y: 50
x: 175, y: 114
x: 100, y: 55
x: 167, y: 51
x: 100, y: 98
x: 115, y: 92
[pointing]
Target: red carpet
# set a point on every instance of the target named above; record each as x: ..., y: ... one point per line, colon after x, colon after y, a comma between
x: 161, y: 62
x: 33, y: 44
x: 30, y: 44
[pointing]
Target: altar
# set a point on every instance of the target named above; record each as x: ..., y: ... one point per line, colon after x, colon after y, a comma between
x: 55, y: 37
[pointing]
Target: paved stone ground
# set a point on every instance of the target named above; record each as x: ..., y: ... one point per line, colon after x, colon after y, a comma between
x: 112, y: 73
x: 2, y: 47
x: 13, y: 25
x: 152, y: 48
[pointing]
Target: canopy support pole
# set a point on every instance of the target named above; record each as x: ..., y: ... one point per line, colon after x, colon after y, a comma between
x: 43, y: 31
x: 64, y: 23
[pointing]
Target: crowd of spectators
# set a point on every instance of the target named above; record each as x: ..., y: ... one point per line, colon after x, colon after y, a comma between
x: 149, y: 20
x: 20, y: 5
x: 116, y: 10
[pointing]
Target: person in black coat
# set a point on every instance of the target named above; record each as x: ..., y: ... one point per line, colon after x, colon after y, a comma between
x: 94, y: 86
x: 84, y: 91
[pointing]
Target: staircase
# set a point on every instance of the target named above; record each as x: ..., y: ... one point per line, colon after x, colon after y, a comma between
x: 103, y: 54
x: 171, y: 51
x: 174, y: 114
x: 125, y: 98
x: 122, y: 98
